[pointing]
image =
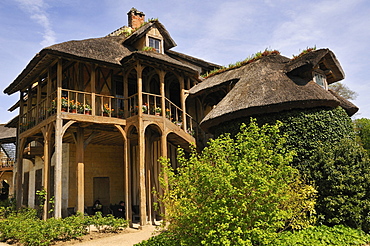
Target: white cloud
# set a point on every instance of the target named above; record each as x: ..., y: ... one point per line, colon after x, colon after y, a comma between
x: 37, y: 11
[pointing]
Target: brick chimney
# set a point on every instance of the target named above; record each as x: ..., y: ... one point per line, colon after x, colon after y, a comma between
x: 135, y: 18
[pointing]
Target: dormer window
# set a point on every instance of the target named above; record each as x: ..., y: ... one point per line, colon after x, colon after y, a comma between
x: 320, y: 79
x: 155, y: 43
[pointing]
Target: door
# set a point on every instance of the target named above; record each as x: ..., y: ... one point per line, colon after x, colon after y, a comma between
x: 101, y: 190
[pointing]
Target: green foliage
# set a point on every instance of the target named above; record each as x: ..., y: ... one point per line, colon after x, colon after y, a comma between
x: 238, y: 64
x: 317, y: 236
x: 327, y: 157
x: 322, y: 236
x: 362, y: 129
x: 306, y: 131
x: 307, y: 50
x: 107, y: 223
x: 163, y: 239
x: 25, y: 227
x: 237, y: 191
x: 341, y: 173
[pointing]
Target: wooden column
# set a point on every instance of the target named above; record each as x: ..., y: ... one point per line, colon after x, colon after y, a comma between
x: 126, y: 174
x: 58, y: 147
x: 125, y: 96
x: 92, y: 78
x: 183, y: 105
x: 19, y: 170
x: 141, y: 142
x: 80, y: 150
x: 164, y: 154
x: 161, y: 75
x: 46, y: 131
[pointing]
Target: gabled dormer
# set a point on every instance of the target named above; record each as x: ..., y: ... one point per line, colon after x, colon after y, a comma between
x: 142, y: 35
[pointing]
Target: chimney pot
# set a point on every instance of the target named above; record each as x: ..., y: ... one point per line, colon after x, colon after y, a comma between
x: 135, y: 18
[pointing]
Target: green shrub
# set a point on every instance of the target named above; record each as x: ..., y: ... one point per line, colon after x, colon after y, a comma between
x: 341, y: 172
x: 328, y: 158
x: 25, y: 227
x: 362, y: 129
x: 306, y: 130
x: 322, y: 236
x: 107, y: 223
x: 237, y: 191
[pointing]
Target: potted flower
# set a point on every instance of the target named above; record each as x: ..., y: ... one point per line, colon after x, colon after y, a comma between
x: 168, y: 113
x: 64, y: 104
x: 178, y: 123
x: 144, y: 108
x: 158, y: 111
x: 87, y: 109
x: 72, y: 106
x: 190, y: 131
x: 107, y: 110
x: 80, y: 108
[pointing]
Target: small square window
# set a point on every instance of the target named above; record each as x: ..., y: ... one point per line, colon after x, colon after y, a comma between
x: 320, y: 79
x: 155, y: 43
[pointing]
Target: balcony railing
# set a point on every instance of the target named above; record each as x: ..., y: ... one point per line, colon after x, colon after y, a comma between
x: 77, y: 102
x: 7, y: 162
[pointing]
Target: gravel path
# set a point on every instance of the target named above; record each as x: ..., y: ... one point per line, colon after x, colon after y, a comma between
x: 131, y: 237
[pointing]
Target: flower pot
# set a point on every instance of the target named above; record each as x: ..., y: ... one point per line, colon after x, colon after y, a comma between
x: 73, y: 111
x: 64, y: 109
x: 158, y: 114
x: 88, y: 112
x: 105, y: 114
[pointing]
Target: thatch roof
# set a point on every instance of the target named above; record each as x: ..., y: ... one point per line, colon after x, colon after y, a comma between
x: 7, y: 135
x: 265, y: 86
x: 168, y: 41
x: 322, y: 58
x: 110, y: 50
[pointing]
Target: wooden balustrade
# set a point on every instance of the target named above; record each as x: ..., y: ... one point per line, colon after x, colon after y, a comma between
x: 78, y: 102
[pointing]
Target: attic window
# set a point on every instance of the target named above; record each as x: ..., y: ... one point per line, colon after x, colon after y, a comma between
x: 320, y: 79
x: 155, y: 43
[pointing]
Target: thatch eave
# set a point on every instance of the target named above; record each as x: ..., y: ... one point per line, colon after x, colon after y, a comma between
x: 194, y: 62
x: 141, y: 32
x: 349, y: 107
x: 107, y: 51
x: 150, y: 56
x: 7, y: 135
x: 208, y: 123
x: 323, y: 59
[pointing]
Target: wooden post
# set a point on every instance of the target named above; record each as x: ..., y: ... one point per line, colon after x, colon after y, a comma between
x: 92, y: 78
x: 80, y: 170
x: 141, y: 142
x: 161, y: 75
x: 183, y: 105
x: 125, y: 96
x: 19, y: 176
x: 164, y: 154
x: 58, y: 147
x: 46, y: 131
x: 126, y: 174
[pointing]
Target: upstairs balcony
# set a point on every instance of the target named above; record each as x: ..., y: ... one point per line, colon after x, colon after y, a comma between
x: 92, y: 104
x: 7, y: 164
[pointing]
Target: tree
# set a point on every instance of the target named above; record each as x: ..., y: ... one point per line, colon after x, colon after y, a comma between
x: 341, y: 172
x: 343, y: 91
x: 238, y: 191
x: 362, y: 129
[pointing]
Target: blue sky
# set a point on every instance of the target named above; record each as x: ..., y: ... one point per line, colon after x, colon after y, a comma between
x: 218, y: 31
